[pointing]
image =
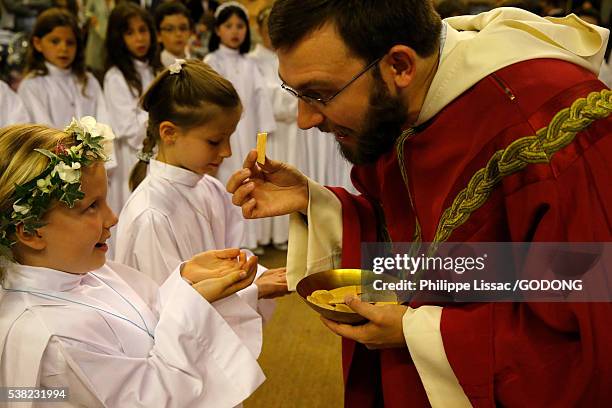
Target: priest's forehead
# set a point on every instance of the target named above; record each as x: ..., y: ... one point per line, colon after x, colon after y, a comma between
x: 321, y: 58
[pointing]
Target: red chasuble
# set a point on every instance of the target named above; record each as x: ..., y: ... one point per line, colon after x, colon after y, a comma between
x: 508, y: 354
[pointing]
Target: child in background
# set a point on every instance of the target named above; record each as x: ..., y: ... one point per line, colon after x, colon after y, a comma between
x: 13, y: 110
x: 57, y: 87
x: 132, y: 63
x: 179, y: 210
x: 174, y: 27
x: 104, y: 331
x: 96, y: 14
x: 229, y: 44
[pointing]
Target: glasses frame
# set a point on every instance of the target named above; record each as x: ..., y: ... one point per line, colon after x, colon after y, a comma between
x: 311, y: 100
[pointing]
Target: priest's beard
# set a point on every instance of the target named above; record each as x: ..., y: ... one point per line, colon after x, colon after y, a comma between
x: 382, y: 125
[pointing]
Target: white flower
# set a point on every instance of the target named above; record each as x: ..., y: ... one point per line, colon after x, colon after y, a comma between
x: 70, y: 174
x: 109, y: 136
x: 177, y: 66
x: 44, y: 184
x: 89, y: 125
x: 21, y: 209
x: 73, y: 124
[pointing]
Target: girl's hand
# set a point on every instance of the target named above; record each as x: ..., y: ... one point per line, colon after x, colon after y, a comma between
x: 227, y: 282
x: 272, y: 283
x: 211, y: 264
x: 272, y: 189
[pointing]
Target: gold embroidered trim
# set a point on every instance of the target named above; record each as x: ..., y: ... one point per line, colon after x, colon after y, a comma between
x: 399, y: 148
x: 560, y: 132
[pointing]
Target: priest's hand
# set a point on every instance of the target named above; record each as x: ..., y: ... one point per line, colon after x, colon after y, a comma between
x: 268, y: 190
x: 384, y: 329
x: 272, y: 283
x: 209, y: 264
x: 227, y: 281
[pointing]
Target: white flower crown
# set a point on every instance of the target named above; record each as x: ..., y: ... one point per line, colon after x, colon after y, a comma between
x: 60, y: 181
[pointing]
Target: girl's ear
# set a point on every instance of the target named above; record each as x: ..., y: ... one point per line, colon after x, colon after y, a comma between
x: 36, y: 41
x: 168, y: 132
x: 33, y: 240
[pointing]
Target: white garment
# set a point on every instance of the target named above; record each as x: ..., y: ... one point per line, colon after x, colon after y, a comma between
x: 196, y: 359
x: 129, y: 123
x: 325, y: 164
x: 167, y: 58
x: 54, y: 99
x: 13, y: 110
x: 258, y: 116
x: 175, y: 214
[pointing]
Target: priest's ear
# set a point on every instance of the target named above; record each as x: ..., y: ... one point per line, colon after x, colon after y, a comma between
x: 168, y: 132
x: 30, y: 239
x: 401, y: 63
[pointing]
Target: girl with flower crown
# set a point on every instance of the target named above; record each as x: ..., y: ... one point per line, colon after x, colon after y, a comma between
x: 132, y: 62
x: 177, y: 209
x: 229, y: 44
x: 57, y: 87
x: 103, y: 331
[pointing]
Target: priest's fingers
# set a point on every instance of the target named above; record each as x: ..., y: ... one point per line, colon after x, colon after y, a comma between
x: 249, y: 209
x: 250, y: 160
x: 365, y: 309
x: 237, y: 179
x: 345, y: 330
x: 270, y: 166
x: 384, y: 330
x: 243, y: 193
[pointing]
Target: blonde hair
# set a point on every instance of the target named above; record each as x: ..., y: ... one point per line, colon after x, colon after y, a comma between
x: 19, y: 162
x: 189, y: 98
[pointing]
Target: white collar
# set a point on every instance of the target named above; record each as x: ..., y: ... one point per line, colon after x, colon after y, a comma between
x: 168, y: 58
x: 262, y: 51
x: 141, y: 65
x: 476, y: 46
x: 57, y: 71
x: 224, y: 50
x: 26, y: 277
x: 173, y: 173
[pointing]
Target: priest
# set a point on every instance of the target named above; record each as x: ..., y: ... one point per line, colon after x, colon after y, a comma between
x: 473, y: 129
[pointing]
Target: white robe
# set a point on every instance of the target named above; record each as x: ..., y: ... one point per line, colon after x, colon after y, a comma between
x: 167, y: 58
x: 54, y: 99
x: 13, y: 110
x: 175, y: 214
x: 325, y: 163
x: 129, y: 123
x: 258, y: 116
x: 196, y: 359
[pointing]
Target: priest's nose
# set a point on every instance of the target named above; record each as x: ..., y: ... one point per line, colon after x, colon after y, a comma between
x: 308, y: 115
